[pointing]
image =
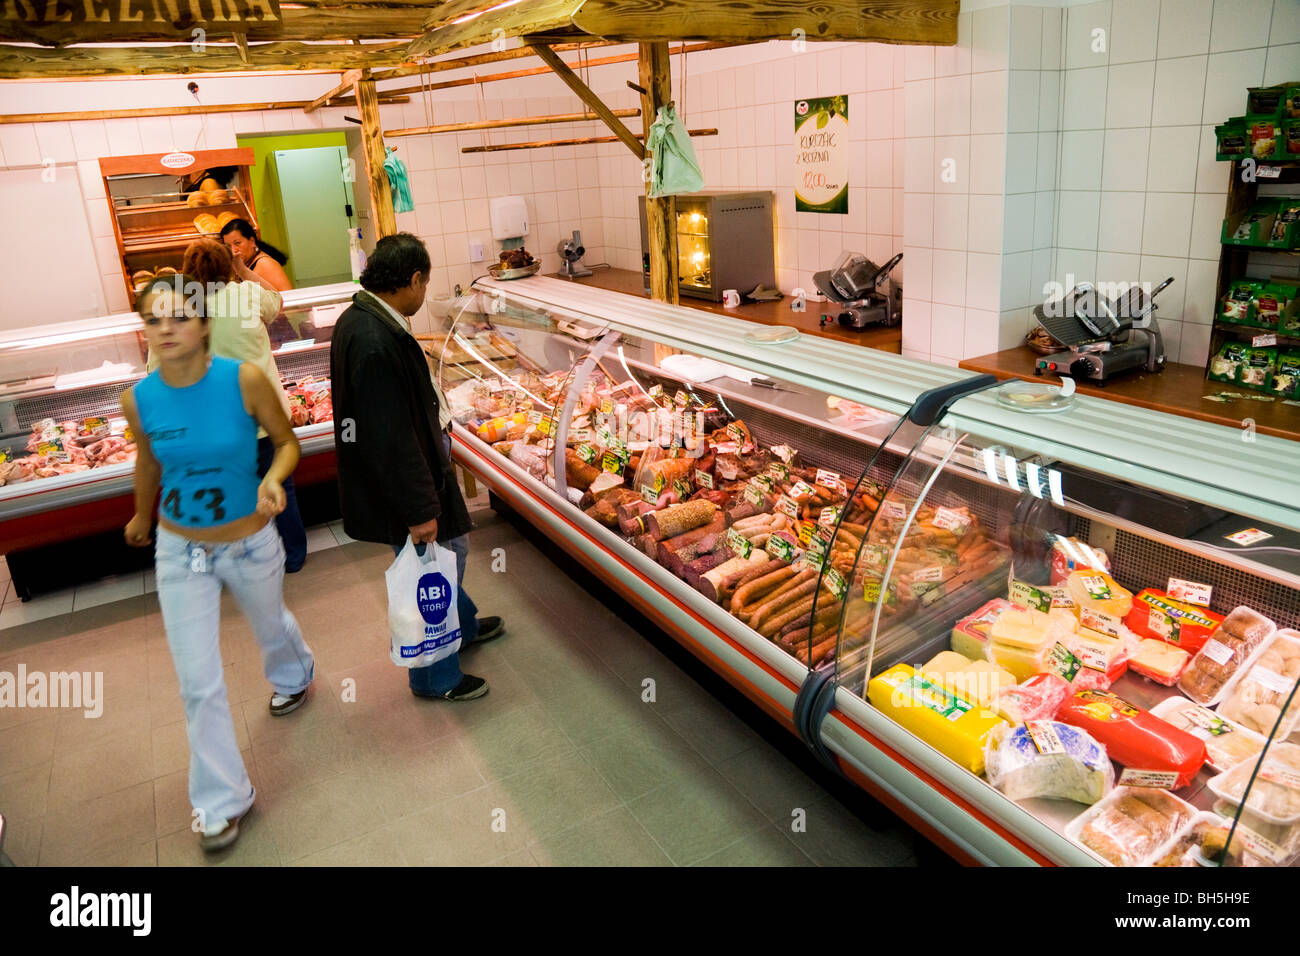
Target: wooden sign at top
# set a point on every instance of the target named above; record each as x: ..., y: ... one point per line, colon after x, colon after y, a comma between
x: 85, y: 20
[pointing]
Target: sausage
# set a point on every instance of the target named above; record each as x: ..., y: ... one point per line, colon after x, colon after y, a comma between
x: 757, y: 583
x: 798, y: 587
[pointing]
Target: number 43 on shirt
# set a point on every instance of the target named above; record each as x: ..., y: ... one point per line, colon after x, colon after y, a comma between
x: 216, y: 497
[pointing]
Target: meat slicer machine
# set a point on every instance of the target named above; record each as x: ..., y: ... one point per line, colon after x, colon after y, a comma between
x: 855, y: 285
x: 1101, y: 337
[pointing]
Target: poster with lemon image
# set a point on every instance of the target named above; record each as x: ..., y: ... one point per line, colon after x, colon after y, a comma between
x: 821, y: 155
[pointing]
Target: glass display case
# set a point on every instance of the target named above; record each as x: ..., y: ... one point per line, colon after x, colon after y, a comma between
x: 986, y: 616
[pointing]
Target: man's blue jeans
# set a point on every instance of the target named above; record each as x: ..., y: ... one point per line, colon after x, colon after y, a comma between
x: 444, y: 675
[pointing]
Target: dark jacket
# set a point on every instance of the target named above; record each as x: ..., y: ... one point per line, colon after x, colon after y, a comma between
x: 393, y: 473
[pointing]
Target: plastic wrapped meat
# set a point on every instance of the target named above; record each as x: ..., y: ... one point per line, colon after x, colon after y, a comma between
x: 531, y: 458
x: 1133, y: 823
x: 1047, y: 759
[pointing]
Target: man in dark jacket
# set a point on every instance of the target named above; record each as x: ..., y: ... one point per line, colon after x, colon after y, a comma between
x: 393, y: 442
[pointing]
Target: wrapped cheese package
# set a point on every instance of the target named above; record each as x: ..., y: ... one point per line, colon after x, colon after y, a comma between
x: 1071, y: 554
x: 1046, y: 758
x: 1138, y: 740
x: 970, y: 637
x: 1096, y: 591
x: 977, y: 681
x: 1021, y: 638
x: 1037, y: 698
x: 1156, y: 615
x: 1158, y: 661
x: 951, y: 724
x: 1131, y: 824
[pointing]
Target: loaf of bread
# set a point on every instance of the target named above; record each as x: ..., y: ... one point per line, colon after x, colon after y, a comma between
x: 196, y: 199
x: 209, y: 185
x: 1248, y: 626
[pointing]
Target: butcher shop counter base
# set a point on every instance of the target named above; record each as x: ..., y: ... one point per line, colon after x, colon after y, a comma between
x: 1178, y: 390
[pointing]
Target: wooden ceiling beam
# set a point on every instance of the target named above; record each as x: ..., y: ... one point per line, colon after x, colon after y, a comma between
x: 478, y: 59
x: 505, y: 123
x: 532, y: 16
x: 608, y: 116
x: 349, y: 82
x: 579, y: 141
x: 10, y: 119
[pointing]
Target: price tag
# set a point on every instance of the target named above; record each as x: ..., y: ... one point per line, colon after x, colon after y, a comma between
x: 788, y: 507
x: 54, y: 450
x: 586, y: 452
x: 829, y: 479
x: 1220, y: 653
x: 1100, y: 621
x: 703, y: 479
x: 1157, y: 779
x: 754, y: 495
x: 949, y: 519
x: 1060, y: 596
x: 1271, y: 679
x: 1283, y: 776
x: 683, y: 488
x: 805, y: 530
x: 763, y: 481
x: 659, y: 483
x: 534, y: 418
x: 801, y: 489
x: 681, y: 399
x: 93, y: 423
x: 604, y: 437
x: 1046, y: 740
x: 830, y: 514
x: 1160, y: 624
x: 779, y: 471
x: 780, y: 547
x: 809, y: 562
x: 784, y: 452
x: 1208, y: 720
x: 1249, y: 536
x: 607, y: 406
x: 618, y: 447
x: 1268, y: 172
x: 1027, y: 596
x: 1062, y: 663
x: 1269, y: 339
x: 836, y: 583
x: 1092, y: 658
x: 933, y: 573
x: 1191, y: 592
x: 922, y: 589
x: 871, y: 589
x: 894, y: 510
x: 611, y: 463
x: 1260, y: 846
x: 546, y: 426
x: 740, y: 545
x: 875, y: 554
x: 1096, y: 586
x: 736, y: 433
x: 819, y: 541
x: 649, y: 494
x: 656, y: 392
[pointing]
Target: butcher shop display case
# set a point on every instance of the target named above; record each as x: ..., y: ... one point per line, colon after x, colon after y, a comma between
x: 66, y: 455
x: 1043, y: 630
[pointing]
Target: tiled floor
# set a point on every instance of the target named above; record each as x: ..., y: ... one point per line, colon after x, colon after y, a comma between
x: 561, y: 764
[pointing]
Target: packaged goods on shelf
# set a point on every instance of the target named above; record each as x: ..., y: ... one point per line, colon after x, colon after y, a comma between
x: 1139, y: 741
x: 970, y: 636
x: 951, y: 724
x: 1046, y: 758
x: 1275, y: 792
x: 1261, y: 691
x: 1240, y: 635
x: 1158, y: 661
x: 1285, y: 383
x: 1156, y: 615
x: 1131, y: 824
x: 1071, y: 554
x: 1038, y: 698
x: 1226, y: 365
x: 1227, y: 743
x: 1260, y: 842
x: 1203, y: 841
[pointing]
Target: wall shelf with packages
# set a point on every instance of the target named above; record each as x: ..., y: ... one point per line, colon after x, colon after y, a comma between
x: 855, y: 583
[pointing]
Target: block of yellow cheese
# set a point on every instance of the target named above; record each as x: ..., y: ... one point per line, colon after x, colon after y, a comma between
x: 951, y: 724
x: 977, y: 681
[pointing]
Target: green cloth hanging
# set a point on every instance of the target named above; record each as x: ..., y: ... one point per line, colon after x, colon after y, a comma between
x: 673, y: 168
x: 398, y: 182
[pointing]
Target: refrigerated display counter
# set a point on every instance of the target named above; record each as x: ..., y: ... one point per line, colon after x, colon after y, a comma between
x: 66, y: 459
x: 958, y: 595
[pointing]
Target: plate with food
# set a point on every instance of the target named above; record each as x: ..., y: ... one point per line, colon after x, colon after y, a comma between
x: 1037, y: 396
x: 515, y: 264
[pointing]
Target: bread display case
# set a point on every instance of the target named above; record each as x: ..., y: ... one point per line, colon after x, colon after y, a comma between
x: 1031, y: 635
x: 66, y: 455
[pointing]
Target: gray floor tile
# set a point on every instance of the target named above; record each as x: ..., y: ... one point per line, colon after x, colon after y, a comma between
x: 513, y: 742
x: 695, y: 817
x: 835, y: 837
x: 76, y: 833
x: 558, y: 794
x: 105, y: 768
x: 713, y: 730
x: 767, y: 847
x: 771, y: 782
x: 636, y: 762
x: 614, y: 838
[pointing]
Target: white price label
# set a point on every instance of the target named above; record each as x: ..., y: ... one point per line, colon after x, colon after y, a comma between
x: 1160, y: 779
x: 754, y: 495
x: 835, y: 581
x: 894, y: 510
x: 739, y: 544
x: 1283, y: 776
x: 1060, y: 596
x: 1221, y: 654
x: 1093, y: 658
x: 1264, y: 340
x: 830, y: 514
x: 788, y: 507
x: 780, y: 547
x: 1260, y: 846
x: 1249, y: 536
x: 949, y: 520
x: 1045, y: 737
x: 1268, y: 172
x: 801, y: 489
x: 828, y: 479
x: 1271, y: 679
x: 1159, y: 623
x: 649, y: 494
x: 1096, y: 586
x: 933, y: 573
x: 1100, y: 621
x: 784, y: 452
x: 703, y: 479
x: 1192, y: 592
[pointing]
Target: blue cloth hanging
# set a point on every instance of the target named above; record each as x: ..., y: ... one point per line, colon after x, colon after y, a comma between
x: 398, y: 182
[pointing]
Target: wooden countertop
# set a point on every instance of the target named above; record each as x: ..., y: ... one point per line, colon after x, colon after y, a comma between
x: 1177, y: 390
x: 765, y: 313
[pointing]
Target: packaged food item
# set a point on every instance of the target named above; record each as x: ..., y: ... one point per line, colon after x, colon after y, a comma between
x: 977, y: 681
x: 1130, y: 824
x: 1263, y: 131
x: 1291, y: 137
x: 1155, y: 614
x: 1275, y: 793
x: 1252, y: 227
x: 951, y: 724
x: 1263, y: 843
x: 1037, y: 698
x: 1102, y: 603
x: 1236, y: 304
x: 1135, y: 738
x: 1291, y: 100
x: 1265, y: 99
x: 1046, y: 758
x: 1202, y: 842
x: 1257, y: 697
x: 1231, y: 139
x: 1286, y: 377
x: 1206, y: 677
x: 1158, y: 661
x: 1071, y: 554
x: 1283, y: 233
x: 1249, y: 626
x: 1226, y: 743
x: 1101, y: 652
x: 1020, y: 639
x: 1257, y: 367
x: 1266, y: 305
x: 1225, y: 366
x: 970, y: 637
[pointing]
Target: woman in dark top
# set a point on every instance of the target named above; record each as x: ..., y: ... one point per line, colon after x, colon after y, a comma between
x: 256, y: 254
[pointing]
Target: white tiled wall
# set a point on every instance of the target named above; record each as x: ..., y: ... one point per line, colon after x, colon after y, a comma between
x: 1141, y: 196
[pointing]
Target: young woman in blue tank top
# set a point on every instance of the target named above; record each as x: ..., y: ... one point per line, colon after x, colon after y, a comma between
x: 195, y: 421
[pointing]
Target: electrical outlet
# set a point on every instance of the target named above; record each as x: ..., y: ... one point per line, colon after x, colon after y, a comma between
x: 475, y: 251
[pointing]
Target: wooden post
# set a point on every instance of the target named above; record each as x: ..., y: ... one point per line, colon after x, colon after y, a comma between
x: 661, y: 214
x: 372, y: 142
x: 608, y: 116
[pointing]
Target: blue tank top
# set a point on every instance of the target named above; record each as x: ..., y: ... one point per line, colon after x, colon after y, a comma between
x: 206, y: 443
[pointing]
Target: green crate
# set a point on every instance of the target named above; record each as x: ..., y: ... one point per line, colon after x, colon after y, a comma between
x: 1250, y: 227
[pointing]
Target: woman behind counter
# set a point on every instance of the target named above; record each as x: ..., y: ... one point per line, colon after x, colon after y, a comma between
x: 238, y: 314
x: 262, y: 258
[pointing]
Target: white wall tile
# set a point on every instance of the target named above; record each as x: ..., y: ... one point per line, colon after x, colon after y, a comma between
x: 918, y: 219
x: 1240, y: 24
x: 1125, y: 160
x: 918, y: 165
x: 1195, y: 347
x: 1053, y: 36
x: 1076, y: 226
x: 1167, y: 224
x: 1178, y: 82
x: 981, y: 332
x: 1154, y: 270
x: 877, y: 163
x: 1129, y: 94
x: 1286, y: 22
x: 1118, y: 268
x: 156, y: 131
x: 1281, y: 65
x: 1133, y: 30
x: 1184, y: 27
x: 1081, y: 264
x: 957, y: 150
x: 952, y: 106
x: 1041, y: 274
x: 1015, y: 280
x: 951, y: 214
x: 947, y: 330
x: 1026, y: 45
x: 955, y: 60
x: 1048, y: 145
x: 54, y: 141
x: 89, y: 139
x: 19, y: 145
x: 949, y: 277
x: 991, y: 32
x: 97, y: 215
x: 1085, y: 99
x: 1013, y: 324
x: 880, y: 211
x: 916, y: 326
x: 1018, y: 223
x: 1044, y: 218
x: 1211, y: 175
x: 990, y: 106
x: 986, y: 163
x: 1022, y: 164
x: 1171, y: 166
x: 1081, y: 154
x: 1049, y: 100
x: 985, y: 224
x: 1121, y: 222
x: 1231, y: 74
x: 918, y: 107
x: 1084, y: 45
x: 1207, y: 227
x: 1202, y: 283
x: 1022, y: 103
x: 918, y: 63
x: 919, y: 280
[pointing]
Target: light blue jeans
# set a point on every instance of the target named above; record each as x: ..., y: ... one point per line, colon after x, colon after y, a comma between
x: 253, y: 569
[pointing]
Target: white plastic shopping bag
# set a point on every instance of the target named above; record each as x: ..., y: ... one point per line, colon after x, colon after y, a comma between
x: 423, y: 623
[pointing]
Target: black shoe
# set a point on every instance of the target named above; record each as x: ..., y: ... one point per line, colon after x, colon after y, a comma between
x: 489, y: 629
x: 469, y: 688
x: 286, y: 704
